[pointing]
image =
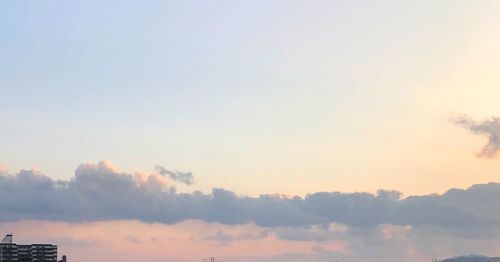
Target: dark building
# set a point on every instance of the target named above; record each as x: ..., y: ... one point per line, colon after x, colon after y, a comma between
x: 24, y: 253
x: 11, y: 252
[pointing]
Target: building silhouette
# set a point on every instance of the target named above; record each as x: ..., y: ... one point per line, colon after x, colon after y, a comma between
x: 11, y: 252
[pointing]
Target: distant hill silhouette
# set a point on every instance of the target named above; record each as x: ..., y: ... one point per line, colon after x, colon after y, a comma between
x: 472, y: 258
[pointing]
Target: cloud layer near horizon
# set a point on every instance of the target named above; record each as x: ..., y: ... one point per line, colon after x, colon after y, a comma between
x: 99, y: 192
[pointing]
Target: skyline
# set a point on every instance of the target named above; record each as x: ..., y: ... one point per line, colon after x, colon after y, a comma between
x: 106, y: 211
x: 262, y: 131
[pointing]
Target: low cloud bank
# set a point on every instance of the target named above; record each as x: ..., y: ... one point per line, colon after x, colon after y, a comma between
x: 99, y: 192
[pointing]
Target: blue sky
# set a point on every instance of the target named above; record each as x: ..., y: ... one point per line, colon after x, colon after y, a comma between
x: 221, y: 88
x: 252, y: 97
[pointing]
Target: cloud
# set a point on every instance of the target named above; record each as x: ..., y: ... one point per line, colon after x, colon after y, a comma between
x: 490, y: 128
x: 183, y: 177
x: 311, y: 233
x: 224, y: 238
x: 192, y: 240
x: 99, y: 192
x: 3, y: 169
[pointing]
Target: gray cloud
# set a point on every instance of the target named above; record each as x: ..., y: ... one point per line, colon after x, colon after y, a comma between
x: 309, y: 233
x: 383, y: 243
x: 225, y: 238
x: 490, y: 128
x: 99, y: 192
x: 183, y: 177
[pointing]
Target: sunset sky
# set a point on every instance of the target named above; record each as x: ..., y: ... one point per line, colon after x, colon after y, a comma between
x: 264, y: 131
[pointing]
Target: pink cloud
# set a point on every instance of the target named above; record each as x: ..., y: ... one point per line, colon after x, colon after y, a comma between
x: 135, y: 241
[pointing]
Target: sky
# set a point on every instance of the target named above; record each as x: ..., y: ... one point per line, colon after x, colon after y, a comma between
x: 260, y: 131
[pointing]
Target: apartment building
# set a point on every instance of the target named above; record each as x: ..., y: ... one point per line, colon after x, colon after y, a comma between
x: 11, y: 252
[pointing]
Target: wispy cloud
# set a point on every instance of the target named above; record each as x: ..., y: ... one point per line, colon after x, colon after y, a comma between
x: 489, y: 128
x: 183, y: 177
x: 224, y: 238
